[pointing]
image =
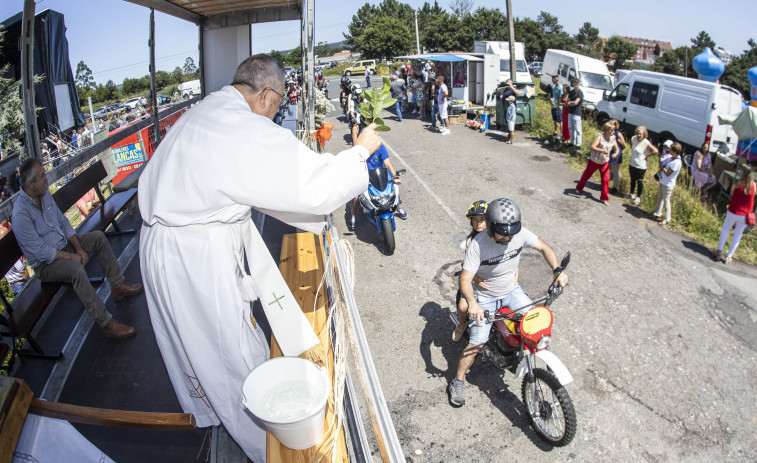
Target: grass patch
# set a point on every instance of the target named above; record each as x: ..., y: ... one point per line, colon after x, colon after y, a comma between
x: 692, y: 215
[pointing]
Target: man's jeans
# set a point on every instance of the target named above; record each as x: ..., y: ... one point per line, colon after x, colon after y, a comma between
x: 517, y: 299
x: 574, y: 123
x: 398, y: 108
x: 435, y: 115
x: 66, y: 271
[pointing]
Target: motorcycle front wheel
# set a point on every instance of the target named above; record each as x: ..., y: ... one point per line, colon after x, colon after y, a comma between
x: 388, y: 232
x: 549, y: 408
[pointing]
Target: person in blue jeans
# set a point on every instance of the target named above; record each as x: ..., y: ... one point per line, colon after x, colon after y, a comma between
x: 380, y: 158
x: 398, y: 89
x: 493, y: 256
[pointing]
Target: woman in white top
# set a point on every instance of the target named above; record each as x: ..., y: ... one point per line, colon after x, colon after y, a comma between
x: 603, y: 145
x: 668, y: 175
x: 641, y: 149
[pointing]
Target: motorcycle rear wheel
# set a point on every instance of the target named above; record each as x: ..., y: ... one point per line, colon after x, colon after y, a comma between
x: 388, y: 232
x: 555, y: 420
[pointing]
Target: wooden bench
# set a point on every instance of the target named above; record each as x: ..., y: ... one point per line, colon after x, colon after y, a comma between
x: 16, y: 401
x: 22, y: 315
x: 105, y: 214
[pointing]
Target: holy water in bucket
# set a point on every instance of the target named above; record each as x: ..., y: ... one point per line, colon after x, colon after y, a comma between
x: 291, y: 400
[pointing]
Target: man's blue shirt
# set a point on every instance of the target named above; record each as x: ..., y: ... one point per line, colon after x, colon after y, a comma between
x: 376, y: 159
x: 40, y: 233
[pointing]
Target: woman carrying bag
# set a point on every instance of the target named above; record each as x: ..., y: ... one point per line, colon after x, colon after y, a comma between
x: 740, y: 214
x: 603, y: 145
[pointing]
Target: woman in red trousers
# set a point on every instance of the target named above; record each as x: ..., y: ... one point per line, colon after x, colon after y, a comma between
x: 603, y: 145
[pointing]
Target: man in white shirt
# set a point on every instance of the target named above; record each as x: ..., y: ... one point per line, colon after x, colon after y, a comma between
x: 443, y: 101
x: 221, y: 158
x: 493, y: 256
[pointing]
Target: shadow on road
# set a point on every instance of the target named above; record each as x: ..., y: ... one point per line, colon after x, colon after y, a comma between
x: 438, y: 331
x: 698, y: 248
x: 637, y: 212
x: 364, y: 231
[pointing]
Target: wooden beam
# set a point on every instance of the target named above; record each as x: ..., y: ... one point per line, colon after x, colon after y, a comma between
x: 113, y: 418
x: 301, y: 265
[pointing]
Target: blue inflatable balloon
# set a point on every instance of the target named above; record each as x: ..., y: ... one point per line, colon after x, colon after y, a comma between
x: 708, y: 65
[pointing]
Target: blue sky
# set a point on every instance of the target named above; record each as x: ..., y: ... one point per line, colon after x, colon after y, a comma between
x: 110, y: 36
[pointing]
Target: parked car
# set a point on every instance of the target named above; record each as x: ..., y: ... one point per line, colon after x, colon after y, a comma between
x: 593, y: 75
x: 132, y: 103
x: 673, y: 108
x: 289, y: 70
x: 359, y: 67
x: 535, y: 68
x: 163, y: 99
x: 332, y: 65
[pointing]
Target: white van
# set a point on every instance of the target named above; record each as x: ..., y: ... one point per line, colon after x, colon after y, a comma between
x: 592, y: 74
x: 189, y: 89
x: 522, y: 74
x: 675, y: 108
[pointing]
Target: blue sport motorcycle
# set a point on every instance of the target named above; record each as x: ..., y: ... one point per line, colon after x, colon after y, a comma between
x: 379, y: 203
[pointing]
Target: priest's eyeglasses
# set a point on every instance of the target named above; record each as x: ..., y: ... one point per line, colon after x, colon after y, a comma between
x: 280, y: 95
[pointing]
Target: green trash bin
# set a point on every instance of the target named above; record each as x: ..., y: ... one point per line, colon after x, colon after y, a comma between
x: 524, y: 109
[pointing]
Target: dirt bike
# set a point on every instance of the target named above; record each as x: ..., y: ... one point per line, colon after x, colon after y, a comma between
x: 521, y: 336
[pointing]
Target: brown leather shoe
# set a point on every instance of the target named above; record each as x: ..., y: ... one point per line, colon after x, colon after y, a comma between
x: 118, y: 331
x: 125, y: 289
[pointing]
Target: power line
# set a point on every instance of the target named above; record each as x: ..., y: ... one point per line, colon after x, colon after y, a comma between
x: 143, y: 62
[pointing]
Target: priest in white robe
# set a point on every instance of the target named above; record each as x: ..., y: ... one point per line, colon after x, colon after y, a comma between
x: 221, y: 158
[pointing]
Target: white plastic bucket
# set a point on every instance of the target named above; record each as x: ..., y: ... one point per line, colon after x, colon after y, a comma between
x: 286, y: 380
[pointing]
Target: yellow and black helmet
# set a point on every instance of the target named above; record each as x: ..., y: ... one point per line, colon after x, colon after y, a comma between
x: 477, y: 208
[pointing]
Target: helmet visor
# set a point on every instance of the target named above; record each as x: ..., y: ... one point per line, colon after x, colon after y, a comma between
x: 505, y: 229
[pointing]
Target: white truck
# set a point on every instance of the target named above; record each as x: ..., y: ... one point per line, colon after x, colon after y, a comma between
x: 502, y: 49
x: 592, y: 74
x: 673, y: 108
x: 190, y: 89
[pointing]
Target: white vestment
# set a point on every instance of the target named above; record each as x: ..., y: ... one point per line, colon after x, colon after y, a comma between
x: 218, y: 161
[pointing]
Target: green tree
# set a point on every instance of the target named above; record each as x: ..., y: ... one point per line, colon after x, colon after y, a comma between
x: 11, y: 108
x: 461, y: 8
x: 84, y: 79
x: 177, y: 75
x: 443, y: 34
x: 588, y: 36
x: 280, y: 57
x: 701, y: 41
x: 368, y: 14
x: 385, y: 38
x: 189, y: 66
x: 111, y: 91
x: 674, y: 62
x: 619, y: 50
x: 735, y: 71
x: 294, y: 57
x: 163, y: 79
x: 483, y: 24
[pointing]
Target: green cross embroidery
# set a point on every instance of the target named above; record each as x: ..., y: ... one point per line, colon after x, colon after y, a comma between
x: 276, y: 301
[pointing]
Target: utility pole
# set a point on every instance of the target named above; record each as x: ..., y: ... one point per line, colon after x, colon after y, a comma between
x: 511, y: 33
x: 417, y: 40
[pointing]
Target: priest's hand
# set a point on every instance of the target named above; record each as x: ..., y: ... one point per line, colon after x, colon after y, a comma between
x: 369, y: 138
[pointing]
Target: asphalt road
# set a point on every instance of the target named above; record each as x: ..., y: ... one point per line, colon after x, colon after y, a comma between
x: 660, y: 339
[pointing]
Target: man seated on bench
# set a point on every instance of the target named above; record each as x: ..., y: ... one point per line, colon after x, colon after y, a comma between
x: 57, y: 254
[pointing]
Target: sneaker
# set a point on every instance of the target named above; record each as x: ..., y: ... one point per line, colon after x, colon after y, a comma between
x: 717, y: 254
x: 637, y: 201
x: 726, y: 261
x: 445, y: 132
x: 554, y: 134
x: 351, y: 226
x: 606, y: 202
x: 613, y: 191
x: 457, y: 333
x: 401, y: 213
x: 456, y: 394
x: 559, y: 138
x: 629, y: 196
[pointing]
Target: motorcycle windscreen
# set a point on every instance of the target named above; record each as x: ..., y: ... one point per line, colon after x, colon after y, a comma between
x: 378, y: 178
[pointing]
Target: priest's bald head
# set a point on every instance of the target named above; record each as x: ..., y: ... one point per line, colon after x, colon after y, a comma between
x: 260, y: 79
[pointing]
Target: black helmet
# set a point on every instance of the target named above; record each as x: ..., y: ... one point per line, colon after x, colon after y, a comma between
x: 477, y: 208
x: 503, y: 217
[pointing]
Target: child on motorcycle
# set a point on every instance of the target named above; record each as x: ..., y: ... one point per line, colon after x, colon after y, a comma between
x: 378, y: 159
x: 477, y: 216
